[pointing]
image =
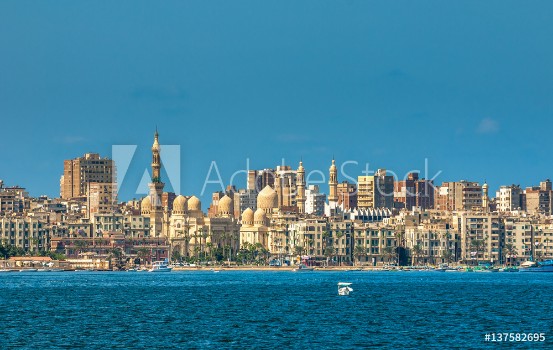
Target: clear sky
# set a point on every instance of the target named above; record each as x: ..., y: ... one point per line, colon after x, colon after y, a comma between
x: 466, y: 84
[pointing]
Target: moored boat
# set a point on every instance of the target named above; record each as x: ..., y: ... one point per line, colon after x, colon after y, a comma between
x: 302, y: 267
x: 532, y: 266
x: 160, y: 266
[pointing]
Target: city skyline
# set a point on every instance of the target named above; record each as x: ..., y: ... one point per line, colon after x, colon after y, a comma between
x: 376, y: 84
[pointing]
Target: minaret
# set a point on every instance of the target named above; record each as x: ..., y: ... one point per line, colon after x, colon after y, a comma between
x: 485, y: 198
x: 333, y: 185
x: 156, y: 190
x: 300, y: 181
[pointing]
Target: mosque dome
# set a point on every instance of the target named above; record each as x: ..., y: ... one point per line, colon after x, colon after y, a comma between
x: 260, y: 218
x: 247, y: 217
x: 267, y: 198
x: 146, y: 204
x: 179, y: 205
x: 225, y: 206
x: 194, y: 204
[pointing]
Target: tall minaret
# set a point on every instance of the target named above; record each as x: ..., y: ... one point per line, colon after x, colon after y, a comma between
x: 156, y: 191
x: 485, y: 198
x: 300, y: 181
x: 333, y: 184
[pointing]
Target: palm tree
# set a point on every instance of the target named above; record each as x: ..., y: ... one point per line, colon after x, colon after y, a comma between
x: 510, y: 251
x: 447, y: 255
x: 359, y: 251
x: 478, y: 245
x: 389, y: 253
x: 339, y: 235
x: 416, y: 253
x: 142, y: 253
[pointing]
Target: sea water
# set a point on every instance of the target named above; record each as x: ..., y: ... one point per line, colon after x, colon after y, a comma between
x: 271, y: 309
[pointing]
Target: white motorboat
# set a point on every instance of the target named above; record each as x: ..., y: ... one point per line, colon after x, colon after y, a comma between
x: 344, y: 288
x: 160, y: 266
x: 532, y: 266
x: 303, y: 268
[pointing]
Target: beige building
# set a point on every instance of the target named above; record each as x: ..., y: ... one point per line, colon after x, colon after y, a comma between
x: 375, y: 191
x: 459, y: 196
x: 79, y: 172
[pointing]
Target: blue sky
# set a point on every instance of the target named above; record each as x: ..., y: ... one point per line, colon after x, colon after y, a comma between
x: 466, y: 84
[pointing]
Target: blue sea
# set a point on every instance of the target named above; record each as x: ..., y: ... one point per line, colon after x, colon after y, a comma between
x: 271, y: 310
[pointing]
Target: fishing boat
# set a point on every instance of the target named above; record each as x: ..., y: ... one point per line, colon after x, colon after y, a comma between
x: 303, y: 268
x: 532, y: 266
x: 160, y: 266
x: 344, y: 288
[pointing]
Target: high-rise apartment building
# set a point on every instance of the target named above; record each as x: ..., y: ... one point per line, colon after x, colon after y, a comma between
x: 538, y: 199
x: 347, y: 195
x: 461, y: 196
x: 414, y: 192
x: 78, y: 173
x: 314, y: 200
x: 509, y: 198
x: 375, y: 191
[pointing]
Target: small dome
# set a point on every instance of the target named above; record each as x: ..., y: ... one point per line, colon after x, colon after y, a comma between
x: 301, y: 168
x: 225, y: 206
x: 194, y: 204
x: 179, y: 205
x: 260, y: 218
x: 333, y: 166
x: 267, y: 198
x: 247, y: 217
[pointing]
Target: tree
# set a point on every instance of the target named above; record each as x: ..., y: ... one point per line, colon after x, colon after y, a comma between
x: 478, y: 246
x: 389, y: 252
x: 416, y: 253
x: 510, y: 251
x: 142, y: 253
x: 447, y: 255
x: 359, y: 251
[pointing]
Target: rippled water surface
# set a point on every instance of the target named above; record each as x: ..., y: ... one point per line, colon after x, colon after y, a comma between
x: 284, y: 310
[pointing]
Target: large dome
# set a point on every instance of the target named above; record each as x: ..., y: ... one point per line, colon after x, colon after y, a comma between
x: 179, y: 205
x: 260, y: 218
x: 267, y: 198
x: 194, y: 204
x: 247, y: 217
x: 146, y: 204
x: 225, y: 206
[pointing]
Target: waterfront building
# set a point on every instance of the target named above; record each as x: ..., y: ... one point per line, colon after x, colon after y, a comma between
x: 27, y: 233
x: 482, y: 236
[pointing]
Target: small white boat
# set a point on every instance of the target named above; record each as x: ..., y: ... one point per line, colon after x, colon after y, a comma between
x: 160, y: 266
x: 344, y: 288
x: 302, y: 267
